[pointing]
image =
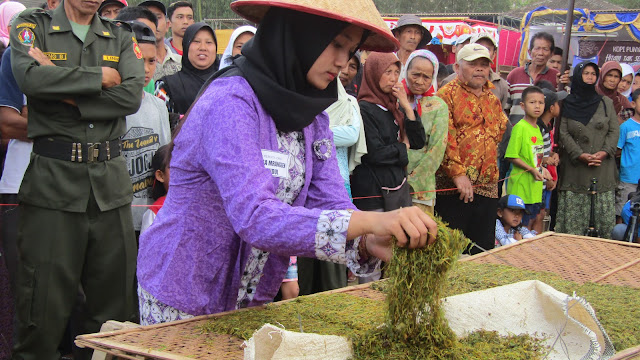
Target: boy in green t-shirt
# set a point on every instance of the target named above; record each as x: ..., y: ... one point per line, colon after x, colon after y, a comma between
x: 525, y: 152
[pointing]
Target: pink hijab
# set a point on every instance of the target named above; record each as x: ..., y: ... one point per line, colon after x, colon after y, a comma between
x: 7, y: 10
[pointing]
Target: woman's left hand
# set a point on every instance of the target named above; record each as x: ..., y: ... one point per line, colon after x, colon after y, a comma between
x: 596, y: 159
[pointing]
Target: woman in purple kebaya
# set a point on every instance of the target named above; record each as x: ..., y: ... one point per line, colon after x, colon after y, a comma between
x: 254, y: 177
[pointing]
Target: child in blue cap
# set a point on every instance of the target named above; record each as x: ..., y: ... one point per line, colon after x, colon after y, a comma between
x: 509, y: 228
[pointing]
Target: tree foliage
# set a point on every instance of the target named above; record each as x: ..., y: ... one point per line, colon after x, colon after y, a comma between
x: 437, y: 6
x: 220, y: 9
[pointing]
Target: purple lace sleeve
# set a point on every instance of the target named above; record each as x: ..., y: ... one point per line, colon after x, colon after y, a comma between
x: 332, y: 244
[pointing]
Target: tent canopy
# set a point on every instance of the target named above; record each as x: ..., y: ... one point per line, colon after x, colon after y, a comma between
x: 623, y: 23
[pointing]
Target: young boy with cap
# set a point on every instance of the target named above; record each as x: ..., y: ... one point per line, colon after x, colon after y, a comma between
x: 509, y: 228
x: 169, y: 62
x: 147, y: 130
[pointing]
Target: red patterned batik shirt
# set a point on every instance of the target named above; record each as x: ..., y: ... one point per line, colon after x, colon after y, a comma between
x: 476, y: 125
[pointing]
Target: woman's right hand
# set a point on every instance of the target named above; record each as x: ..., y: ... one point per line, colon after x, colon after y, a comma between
x: 398, y: 92
x: 411, y: 227
x: 405, y: 141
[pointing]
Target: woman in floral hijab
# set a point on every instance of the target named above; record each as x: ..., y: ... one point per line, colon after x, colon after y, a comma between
x: 418, y: 78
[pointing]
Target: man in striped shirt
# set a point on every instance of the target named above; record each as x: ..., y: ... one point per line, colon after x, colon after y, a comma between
x: 540, y: 50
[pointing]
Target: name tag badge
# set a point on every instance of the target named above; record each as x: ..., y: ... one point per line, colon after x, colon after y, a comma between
x: 277, y: 163
x: 111, y: 58
x: 56, y: 56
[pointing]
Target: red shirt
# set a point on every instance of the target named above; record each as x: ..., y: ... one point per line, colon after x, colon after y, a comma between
x: 175, y: 48
x: 157, y: 205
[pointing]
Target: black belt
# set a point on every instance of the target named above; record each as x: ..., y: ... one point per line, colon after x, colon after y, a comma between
x: 77, y: 152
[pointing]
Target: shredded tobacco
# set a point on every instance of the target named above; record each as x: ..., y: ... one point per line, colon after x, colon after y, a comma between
x: 410, y: 323
x: 417, y: 279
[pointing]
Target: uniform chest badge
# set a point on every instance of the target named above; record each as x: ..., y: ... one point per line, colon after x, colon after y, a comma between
x: 137, y: 51
x: 26, y: 36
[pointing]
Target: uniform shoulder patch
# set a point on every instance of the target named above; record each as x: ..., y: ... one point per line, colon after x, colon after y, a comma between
x: 28, y: 25
x: 137, y: 51
x: 26, y: 37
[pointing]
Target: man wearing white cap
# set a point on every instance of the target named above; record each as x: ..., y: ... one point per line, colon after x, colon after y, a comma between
x: 476, y: 124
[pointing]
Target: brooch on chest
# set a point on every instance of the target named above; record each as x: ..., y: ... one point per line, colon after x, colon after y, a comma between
x: 322, y: 148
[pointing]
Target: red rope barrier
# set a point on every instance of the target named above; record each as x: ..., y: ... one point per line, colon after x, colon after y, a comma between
x: 365, y: 197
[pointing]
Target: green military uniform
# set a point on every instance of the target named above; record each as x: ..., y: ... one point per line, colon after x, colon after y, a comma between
x: 75, y: 225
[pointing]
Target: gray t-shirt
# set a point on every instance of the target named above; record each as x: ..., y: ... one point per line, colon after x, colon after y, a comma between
x: 147, y: 130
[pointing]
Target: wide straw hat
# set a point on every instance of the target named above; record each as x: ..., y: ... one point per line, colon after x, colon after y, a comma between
x: 362, y: 13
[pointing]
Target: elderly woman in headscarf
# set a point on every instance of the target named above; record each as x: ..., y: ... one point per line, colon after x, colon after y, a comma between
x: 390, y: 128
x: 7, y: 11
x: 238, y: 38
x: 624, y: 87
x: 588, y: 136
x: 199, y: 62
x: 419, y: 81
x: 610, y: 76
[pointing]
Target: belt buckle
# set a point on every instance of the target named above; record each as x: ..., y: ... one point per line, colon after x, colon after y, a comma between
x: 93, y: 150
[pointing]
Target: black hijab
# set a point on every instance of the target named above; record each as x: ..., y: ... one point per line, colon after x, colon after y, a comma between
x: 276, y: 60
x: 583, y: 101
x: 186, y: 83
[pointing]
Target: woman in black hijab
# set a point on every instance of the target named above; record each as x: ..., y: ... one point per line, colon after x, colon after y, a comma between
x: 199, y: 62
x: 588, y: 137
x: 254, y: 176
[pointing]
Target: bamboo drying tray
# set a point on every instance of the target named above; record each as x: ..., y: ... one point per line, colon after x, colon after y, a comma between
x: 576, y: 258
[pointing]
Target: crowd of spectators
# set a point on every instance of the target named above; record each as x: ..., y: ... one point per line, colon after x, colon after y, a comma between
x: 101, y: 112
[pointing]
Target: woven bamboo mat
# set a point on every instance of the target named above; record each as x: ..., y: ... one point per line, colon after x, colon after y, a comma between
x: 576, y: 258
x: 183, y: 339
x: 175, y: 341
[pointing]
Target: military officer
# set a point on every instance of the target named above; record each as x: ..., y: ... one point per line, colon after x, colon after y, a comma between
x: 82, y: 75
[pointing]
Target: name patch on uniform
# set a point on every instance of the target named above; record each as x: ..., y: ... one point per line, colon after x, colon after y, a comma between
x: 56, y: 56
x: 137, y: 51
x: 26, y: 36
x: 111, y: 58
x: 28, y: 25
x: 277, y: 163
